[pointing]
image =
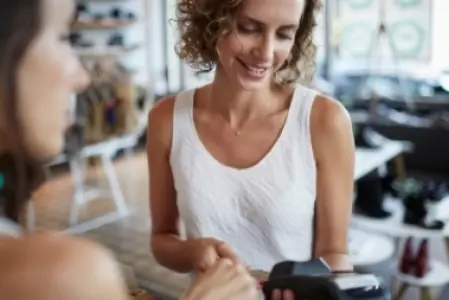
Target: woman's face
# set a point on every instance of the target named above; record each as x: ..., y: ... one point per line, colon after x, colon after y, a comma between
x: 47, y: 78
x: 261, y: 42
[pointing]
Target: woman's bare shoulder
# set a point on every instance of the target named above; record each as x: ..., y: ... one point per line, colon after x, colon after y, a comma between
x: 160, y: 122
x: 39, y: 260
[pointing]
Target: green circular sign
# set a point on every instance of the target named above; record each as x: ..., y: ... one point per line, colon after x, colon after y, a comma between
x: 357, y: 4
x: 407, y: 3
x: 357, y: 39
x: 407, y: 39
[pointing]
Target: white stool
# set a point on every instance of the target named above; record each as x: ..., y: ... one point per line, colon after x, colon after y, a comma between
x: 436, y: 277
x: 83, y: 194
x: 366, y: 248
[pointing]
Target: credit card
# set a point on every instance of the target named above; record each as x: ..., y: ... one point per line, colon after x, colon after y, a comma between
x: 261, y: 276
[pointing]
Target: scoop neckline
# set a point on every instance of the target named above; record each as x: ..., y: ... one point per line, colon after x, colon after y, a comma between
x: 260, y: 163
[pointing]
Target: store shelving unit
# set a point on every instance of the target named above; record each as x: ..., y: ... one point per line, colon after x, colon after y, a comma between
x: 105, y: 150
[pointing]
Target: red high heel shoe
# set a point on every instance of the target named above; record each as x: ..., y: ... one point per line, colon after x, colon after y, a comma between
x: 422, y: 259
x: 407, y: 260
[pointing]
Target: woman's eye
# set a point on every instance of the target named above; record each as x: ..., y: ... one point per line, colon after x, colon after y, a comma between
x: 285, y: 36
x: 247, y: 29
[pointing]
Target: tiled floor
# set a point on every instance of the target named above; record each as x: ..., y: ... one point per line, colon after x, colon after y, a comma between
x: 129, y: 238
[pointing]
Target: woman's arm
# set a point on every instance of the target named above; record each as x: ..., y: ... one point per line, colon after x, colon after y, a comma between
x: 334, y: 151
x: 167, y: 247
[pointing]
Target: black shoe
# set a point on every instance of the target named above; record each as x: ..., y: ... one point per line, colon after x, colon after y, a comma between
x: 435, y: 191
x: 416, y: 213
x: 78, y: 41
x: 116, y: 40
x: 370, y: 198
x: 119, y: 14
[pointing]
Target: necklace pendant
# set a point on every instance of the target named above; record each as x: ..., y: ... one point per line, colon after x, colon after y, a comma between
x: 237, y: 133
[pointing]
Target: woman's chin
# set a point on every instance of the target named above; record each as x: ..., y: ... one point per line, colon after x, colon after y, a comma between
x: 251, y: 85
x: 46, y: 152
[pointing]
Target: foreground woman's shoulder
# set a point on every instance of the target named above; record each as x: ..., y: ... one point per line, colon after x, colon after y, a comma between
x: 52, y: 247
x: 67, y: 265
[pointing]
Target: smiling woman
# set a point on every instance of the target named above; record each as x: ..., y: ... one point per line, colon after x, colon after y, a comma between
x: 203, y: 23
x: 38, y: 74
x: 258, y: 167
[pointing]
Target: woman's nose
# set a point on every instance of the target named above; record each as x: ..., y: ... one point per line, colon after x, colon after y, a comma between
x: 82, y: 78
x: 264, y: 51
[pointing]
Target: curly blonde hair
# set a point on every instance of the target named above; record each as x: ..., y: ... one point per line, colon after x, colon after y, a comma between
x: 202, y: 23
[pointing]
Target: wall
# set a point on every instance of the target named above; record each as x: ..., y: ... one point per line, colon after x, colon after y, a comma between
x: 441, y: 34
x: 440, y: 46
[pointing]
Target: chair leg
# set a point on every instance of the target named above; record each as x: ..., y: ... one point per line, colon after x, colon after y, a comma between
x: 119, y: 199
x: 446, y: 241
x: 76, y: 168
x: 400, y: 166
x: 402, y: 289
x: 396, y: 255
x: 425, y: 294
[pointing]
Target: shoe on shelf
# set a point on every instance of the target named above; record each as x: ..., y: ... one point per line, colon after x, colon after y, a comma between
x: 416, y: 212
x: 422, y: 266
x: 435, y: 190
x: 116, y: 40
x: 370, y: 198
x: 77, y: 41
x: 416, y: 265
x: 120, y: 14
x: 82, y: 13
x: 407, y: 261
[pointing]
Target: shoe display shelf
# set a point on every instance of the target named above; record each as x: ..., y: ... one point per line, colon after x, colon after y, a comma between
x: 114, y: 22
x: 437, y: 276
x: 394, y: 227
x: 365, y: 247
x: 104, y: 151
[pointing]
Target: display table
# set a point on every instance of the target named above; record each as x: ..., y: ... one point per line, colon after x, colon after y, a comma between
x: 437, y: 276
x: 394, y: 227
x: 369, y: 249
x: 368, y: 160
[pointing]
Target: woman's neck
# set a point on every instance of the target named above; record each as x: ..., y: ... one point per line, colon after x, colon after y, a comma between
x: 237, y: 105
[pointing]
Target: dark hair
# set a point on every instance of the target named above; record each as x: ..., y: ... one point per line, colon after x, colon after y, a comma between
x: 20, y: 22
x: 203, y: 22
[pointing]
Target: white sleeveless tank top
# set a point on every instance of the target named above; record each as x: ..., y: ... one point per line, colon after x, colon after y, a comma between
x: 264, y: 212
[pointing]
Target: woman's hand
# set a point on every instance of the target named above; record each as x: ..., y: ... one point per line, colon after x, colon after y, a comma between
x: 206, y: 252
x: 282, y: 295
x: 224, y: 280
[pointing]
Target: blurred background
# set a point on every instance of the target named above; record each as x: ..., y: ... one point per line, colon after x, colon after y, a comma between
x: 387, y: 61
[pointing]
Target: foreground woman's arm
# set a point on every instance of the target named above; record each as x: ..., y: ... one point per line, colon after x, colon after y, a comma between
x: 334, y: 151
